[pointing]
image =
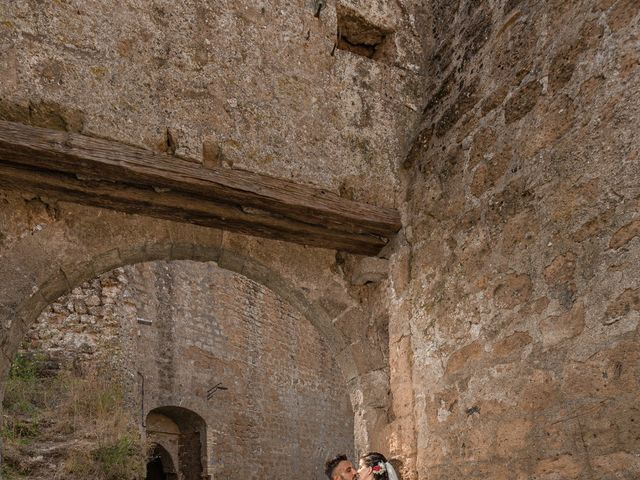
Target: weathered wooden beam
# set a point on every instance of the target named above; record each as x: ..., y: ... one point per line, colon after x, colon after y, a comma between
x: 179, y: 207
x: 108, y: 174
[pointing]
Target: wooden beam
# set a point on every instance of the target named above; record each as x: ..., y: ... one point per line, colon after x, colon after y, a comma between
x: 108, y: 174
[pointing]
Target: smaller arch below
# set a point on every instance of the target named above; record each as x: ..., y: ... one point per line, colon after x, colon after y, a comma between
x: 160, y: 465
x: 179, y: 434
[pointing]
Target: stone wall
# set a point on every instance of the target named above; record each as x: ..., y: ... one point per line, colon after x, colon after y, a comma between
x: 266, y: 86
x: 511, y: 310
x: 253, y: 85
x: 83, y: 330
x: 514, y: 296
x: 184, y: 327
x: 49, y: 248
x: 286, y: 408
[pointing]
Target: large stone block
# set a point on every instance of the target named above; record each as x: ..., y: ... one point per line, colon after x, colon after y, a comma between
x: 370, y: 270
x: 558, y: 328
x: 513, y: 290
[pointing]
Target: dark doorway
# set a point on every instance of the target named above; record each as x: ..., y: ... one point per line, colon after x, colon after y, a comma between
x: 155, y: 470
x: 182, y: 432
x: 160, y: 466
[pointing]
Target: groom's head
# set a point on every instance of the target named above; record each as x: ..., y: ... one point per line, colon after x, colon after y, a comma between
x: 340, y: 468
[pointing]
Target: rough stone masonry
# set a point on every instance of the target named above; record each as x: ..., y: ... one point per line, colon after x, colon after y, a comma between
x: 503, y: 343
x: 185, y: 327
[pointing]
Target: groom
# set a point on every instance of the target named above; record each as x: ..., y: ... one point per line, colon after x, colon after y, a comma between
x: 340, y: 468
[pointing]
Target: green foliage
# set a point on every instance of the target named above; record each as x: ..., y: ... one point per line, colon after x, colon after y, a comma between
x: 23, y: 388
x: 119, y: 459
x: 90, y: 409
x: 8, y: 473
x: 23, y: 400
x: 25, y: 367
x: 20, y: 430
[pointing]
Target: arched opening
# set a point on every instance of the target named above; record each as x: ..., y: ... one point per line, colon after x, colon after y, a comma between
x: 180, y: 434
x: 174, y: 343
x: 155, y: 469
x: 101, y: 241
x: 90, y: 242
x: 160, y: 465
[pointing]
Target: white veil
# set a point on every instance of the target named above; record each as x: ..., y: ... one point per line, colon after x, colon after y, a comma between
x: 391, y: 472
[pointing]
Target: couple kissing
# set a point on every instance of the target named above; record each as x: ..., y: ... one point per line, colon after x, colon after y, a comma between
x: 372, y: 466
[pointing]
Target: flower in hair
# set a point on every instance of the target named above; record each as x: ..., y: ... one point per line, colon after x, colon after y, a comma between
x: 379, y: 469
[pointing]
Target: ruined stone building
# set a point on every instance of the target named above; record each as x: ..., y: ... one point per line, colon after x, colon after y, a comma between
x: 300, y: 228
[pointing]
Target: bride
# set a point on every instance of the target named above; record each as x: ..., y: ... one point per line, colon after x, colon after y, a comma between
x: 374, y: 466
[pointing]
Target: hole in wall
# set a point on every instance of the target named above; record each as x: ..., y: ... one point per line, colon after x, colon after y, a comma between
x: 359, y: 35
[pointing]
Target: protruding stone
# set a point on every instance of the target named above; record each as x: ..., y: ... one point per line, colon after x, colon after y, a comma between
x: 625, y: 234
x: 211, y: 153
x: 511, y: 344
x: 513, y: 290
x: 512, y: 436
x: 557, y: 328
x: 561, y: 269
x: 522, y: 102
x: 370, y: 270
x: 563, y: 466
x: 626, y: 302
x: 467, y: 354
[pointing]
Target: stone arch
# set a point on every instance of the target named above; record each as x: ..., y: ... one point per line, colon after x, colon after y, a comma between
x: 160, y: 463
x: 80, y: 243
x: 179, y: 434
x: 87, y: 242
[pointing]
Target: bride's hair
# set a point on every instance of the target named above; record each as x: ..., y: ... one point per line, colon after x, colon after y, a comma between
x: 372, y: 459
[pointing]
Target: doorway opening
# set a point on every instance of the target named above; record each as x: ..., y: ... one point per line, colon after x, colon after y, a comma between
x: 178, y: 436
x: 160, y: 465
